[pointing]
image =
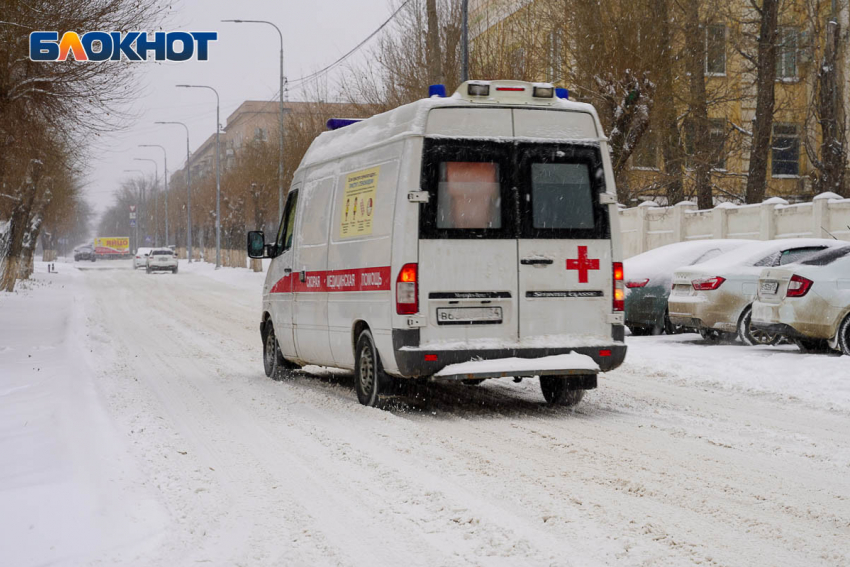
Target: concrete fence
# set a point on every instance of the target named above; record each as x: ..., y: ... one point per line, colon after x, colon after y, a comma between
x: 648, y: 226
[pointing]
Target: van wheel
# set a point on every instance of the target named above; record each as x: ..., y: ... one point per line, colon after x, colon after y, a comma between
x: 750, y: 336
x: 844, y: 336
x: 368, y: 372
x: 273, y: 360
x: 556, y: 392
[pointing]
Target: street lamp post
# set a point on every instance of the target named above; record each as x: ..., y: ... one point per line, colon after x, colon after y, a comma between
x: 280, y: 113
x: 139, y: 200
x: 165, y: 176
x: 217, y: 173
x: 155, y: 199
x: 188, y: 192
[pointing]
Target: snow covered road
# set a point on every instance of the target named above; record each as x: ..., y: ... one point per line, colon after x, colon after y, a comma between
x: 688, y: 455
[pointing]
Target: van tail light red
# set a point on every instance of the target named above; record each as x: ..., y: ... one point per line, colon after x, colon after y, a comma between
x: 631, y: 284
x: 406, y: 290
x: 798, y: 286
x: 619, y: 290
x: 708, y: 284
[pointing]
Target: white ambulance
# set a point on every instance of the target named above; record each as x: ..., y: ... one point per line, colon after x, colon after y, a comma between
x: 455, y: 238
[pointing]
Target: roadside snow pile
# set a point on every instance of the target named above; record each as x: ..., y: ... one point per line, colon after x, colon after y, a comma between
x: 522, y: 366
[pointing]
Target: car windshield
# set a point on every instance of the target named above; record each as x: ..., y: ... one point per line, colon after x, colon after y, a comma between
x: 827, y: 256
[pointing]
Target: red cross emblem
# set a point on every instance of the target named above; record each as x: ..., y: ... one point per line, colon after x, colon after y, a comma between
x: 582, y: 264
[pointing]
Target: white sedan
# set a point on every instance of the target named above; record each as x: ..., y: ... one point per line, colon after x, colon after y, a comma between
x: 716, y: 297
x: 140, y: 260
x: 161, y: 260
x: 808, y: 302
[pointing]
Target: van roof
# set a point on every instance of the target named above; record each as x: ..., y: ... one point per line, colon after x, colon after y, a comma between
x: 410, y: 120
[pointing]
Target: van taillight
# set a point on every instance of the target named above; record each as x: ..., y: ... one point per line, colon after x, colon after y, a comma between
x: 619, y: 291
x: 406, y: 292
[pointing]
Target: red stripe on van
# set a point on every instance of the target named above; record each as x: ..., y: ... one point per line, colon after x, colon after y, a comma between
x: 357, y: 279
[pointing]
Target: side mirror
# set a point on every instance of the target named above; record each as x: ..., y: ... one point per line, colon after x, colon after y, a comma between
x: 256, y: 244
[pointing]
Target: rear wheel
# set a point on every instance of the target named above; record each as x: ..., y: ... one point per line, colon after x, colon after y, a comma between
x: 368, y: 373
x: 844, y: 336
x: 556, y: 391
x: 750, y: 336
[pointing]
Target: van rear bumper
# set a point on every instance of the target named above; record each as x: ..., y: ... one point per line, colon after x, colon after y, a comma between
x: 412, y: 364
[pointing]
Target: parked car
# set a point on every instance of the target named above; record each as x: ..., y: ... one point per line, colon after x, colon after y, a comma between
x: 716, y: 296
x: 452, y: 240
x: 161, y: 260
x: 84, y: 253
x: 808, y: 302
x: 650, y: 275
x: 140, y: 260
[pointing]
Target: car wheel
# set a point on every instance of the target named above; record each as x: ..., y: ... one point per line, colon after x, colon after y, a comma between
x: 813, y: 346
x: 273, y: 360
x: 750, y: 336
x: 844, y: 336
x: 556, y: 392
x: 639, y: 331
x: 369, y: 379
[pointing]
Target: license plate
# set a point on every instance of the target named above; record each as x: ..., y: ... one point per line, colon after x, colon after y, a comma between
x: 468, y: 315
x: 769, y: 287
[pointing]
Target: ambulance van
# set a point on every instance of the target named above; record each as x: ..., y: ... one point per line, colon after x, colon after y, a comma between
x: 454, y: 238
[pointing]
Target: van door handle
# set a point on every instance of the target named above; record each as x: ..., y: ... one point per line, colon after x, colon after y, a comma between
x: 536, y: 261
x: 302, y: 275
x: 287, y: 271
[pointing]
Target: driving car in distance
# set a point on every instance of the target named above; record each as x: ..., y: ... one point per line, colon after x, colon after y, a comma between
x: 649, y: 276
x: 808, y: 302
x: 84, y: 253
x: 161, y: 260
x: 716, y: 297
x: 140, y: 260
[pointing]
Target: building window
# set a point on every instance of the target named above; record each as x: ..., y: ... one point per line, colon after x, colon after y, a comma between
x: 715, y: 50
x: 646, y: 154
x: 785, y: 152
x: 556, y: 53
x: 717, y: 142
x: 260, y: 134
x: 786, y: 54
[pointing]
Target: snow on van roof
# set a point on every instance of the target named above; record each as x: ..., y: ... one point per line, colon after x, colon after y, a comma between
x: 407, y: 120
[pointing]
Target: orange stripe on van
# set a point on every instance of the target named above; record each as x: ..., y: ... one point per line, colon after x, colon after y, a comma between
x: 356, y: 279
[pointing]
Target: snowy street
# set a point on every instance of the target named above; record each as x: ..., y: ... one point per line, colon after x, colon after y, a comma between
x: 137, y: 427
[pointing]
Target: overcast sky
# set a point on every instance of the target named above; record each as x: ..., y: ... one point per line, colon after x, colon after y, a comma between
x: 243, y: 65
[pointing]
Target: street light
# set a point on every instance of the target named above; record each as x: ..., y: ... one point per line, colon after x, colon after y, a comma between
x: 280, y: 113
x: 188, y: 191
x: 165, y: 177
x: 140, y: 198
x: 217, y: 173
x: 155, y: 199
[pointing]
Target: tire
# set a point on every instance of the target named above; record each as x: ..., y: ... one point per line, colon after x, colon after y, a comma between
x: 813, y: 346
x: 752, y: 337
x: 844, y: 336
x: 369, y: 380
x: 273, y: 360
x: 555, y: 391
x: 640, y: 331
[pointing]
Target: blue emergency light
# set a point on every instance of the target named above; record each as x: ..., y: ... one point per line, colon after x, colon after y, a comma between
x: 337, y: 123
x: 437, y: 90
x: 563, y: 93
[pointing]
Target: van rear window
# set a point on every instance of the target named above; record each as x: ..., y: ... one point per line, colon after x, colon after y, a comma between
x: 561, y: 196
x: 469, y: 195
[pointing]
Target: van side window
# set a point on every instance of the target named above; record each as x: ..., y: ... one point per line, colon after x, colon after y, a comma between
x: 469, y: 195
x: 561, y: 196
x: 287, y: 225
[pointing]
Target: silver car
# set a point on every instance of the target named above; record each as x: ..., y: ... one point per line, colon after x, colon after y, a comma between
x: 809, y: 302
x: 161, y: 260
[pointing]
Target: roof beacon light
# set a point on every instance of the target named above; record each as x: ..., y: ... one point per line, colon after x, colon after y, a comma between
x: 478, y: 89
x: 562, y: 93
x: 337, y: 123
x: 543, y: 92
x: 437, y: 90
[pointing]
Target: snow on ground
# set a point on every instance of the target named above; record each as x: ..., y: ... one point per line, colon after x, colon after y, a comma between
x: 137, y: 428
